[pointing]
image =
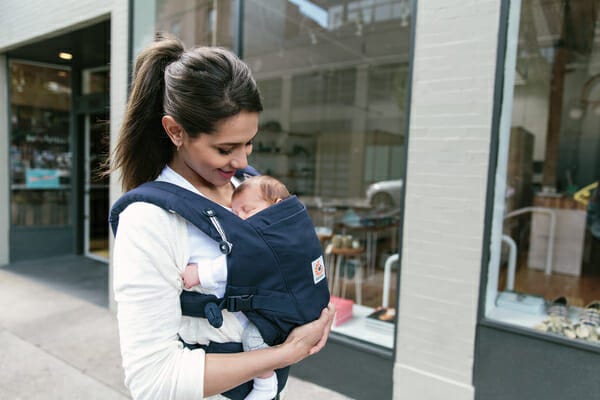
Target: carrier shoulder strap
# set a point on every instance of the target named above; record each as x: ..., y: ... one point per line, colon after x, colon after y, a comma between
x: 168, y: 196
x: 174, y: 199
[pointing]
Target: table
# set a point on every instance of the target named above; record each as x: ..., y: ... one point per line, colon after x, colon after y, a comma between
x: 371, y: 236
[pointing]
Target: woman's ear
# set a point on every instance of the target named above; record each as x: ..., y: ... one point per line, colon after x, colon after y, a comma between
x: 174, y: 130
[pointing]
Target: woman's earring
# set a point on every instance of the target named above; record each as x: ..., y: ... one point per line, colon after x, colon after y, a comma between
x: 178, y: 146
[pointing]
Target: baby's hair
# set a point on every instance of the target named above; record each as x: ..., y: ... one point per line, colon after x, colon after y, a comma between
x: 271, y: 189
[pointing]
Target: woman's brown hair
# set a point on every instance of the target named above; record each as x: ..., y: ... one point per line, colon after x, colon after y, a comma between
x: 198, y: 87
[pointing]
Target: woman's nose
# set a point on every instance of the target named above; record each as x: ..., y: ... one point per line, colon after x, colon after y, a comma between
x: 240, y: 159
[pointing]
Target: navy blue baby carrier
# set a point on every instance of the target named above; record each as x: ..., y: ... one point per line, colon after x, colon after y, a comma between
x: 276, y: 273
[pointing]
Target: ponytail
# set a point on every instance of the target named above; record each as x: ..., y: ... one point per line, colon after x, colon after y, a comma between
x: 144, y: 148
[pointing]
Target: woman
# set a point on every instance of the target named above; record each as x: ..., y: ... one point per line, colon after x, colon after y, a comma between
x: 190, y: 120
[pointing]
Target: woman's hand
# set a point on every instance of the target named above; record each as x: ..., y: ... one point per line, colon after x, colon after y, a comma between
x: 224, y: 371
x: 310, y: 338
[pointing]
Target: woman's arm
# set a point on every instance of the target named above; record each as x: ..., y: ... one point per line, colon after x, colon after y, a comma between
x: 147, y: 284
x: 225, y: 371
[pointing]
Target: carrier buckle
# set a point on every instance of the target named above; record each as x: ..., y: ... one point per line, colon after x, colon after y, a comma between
x: 239, y: 303
x: 225, y: 247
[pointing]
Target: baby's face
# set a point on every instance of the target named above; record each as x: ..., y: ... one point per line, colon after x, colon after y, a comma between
x: 248, y: 203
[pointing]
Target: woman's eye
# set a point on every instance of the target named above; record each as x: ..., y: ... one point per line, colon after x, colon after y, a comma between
x: 225, y: 152
x: 250, y: 143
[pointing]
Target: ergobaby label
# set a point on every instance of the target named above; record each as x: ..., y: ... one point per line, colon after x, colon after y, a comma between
x: 318, y: 269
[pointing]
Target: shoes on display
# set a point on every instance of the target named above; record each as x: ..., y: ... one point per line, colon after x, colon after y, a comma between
x: 559, y: 307
x: 591, y: 313
x: 558, y: 321
x: 586, y: 328
x: 557, y: 325
x: 589, y: 322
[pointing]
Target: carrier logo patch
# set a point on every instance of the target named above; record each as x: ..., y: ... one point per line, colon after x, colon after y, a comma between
x: 318, y: 269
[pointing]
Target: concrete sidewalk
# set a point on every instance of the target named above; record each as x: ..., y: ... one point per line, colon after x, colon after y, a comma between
x: 54, y: 345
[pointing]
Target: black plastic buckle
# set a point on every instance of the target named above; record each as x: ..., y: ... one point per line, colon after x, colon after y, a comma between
x: 239, y: 303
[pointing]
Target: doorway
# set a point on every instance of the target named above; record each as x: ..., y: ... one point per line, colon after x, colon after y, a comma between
x: 96, y: 200
x: 93, y: 106
x: 59, y: 93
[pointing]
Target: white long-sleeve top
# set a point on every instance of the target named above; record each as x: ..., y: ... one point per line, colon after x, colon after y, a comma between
x: 150, y: 252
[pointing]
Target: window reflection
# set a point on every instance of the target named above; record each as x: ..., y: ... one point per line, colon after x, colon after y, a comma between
x: 202, y: 22
x: 334, y: 79
x: 40, y: 152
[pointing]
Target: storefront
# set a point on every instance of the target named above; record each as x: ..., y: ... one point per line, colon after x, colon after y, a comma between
x: 540, y: 305
x: 57, y: 130
x: 448, y: 153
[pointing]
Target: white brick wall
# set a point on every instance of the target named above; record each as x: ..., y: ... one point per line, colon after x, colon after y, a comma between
x: 451, y: 115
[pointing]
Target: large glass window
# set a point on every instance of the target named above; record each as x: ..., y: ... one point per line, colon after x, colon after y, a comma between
x: 198, y: 22
x: 333, y: 131
x: 40, y: 149
x: 545, y: 264
x: 333, y: 77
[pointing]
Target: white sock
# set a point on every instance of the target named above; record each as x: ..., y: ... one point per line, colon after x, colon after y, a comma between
x: 263, y: 388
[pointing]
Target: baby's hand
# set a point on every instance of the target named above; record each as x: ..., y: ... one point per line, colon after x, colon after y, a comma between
x: 190, y: 276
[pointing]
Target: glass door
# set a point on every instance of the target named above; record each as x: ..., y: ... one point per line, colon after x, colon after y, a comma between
x: 96, y: 187
x: 93, y: 107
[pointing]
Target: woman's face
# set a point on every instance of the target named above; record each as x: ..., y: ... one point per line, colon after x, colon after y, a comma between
x: 210, y: 160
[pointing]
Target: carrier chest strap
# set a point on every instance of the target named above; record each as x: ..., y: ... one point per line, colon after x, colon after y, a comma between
x: 276, y: 302
x: 196, y: 304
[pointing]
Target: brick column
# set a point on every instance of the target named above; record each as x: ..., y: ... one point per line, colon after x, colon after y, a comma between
x: 448, y: 150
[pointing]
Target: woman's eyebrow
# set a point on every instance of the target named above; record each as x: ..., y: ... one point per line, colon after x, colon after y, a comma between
x: 230, y: 144
x: 237, y: 143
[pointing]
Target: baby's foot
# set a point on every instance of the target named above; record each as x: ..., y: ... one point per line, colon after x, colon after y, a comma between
x: 263, y: 388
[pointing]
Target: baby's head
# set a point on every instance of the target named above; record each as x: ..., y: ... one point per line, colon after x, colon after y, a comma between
x: 256, y: 194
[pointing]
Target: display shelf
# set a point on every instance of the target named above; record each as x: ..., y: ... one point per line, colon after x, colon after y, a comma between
x: 358, y: 328
x: 527, y: 319
x: 519, y: 318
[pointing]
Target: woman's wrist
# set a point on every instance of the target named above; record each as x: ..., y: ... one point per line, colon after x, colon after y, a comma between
x: 284, y: 355
x: 293, y: 350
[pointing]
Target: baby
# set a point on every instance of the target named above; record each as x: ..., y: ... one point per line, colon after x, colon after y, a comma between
x: 250, y: 197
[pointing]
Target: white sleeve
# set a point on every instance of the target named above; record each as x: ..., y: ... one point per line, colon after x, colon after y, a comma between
x: 147, y: 261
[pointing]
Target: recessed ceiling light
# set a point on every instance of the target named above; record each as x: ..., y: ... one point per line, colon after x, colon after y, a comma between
x: 65, y: 56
